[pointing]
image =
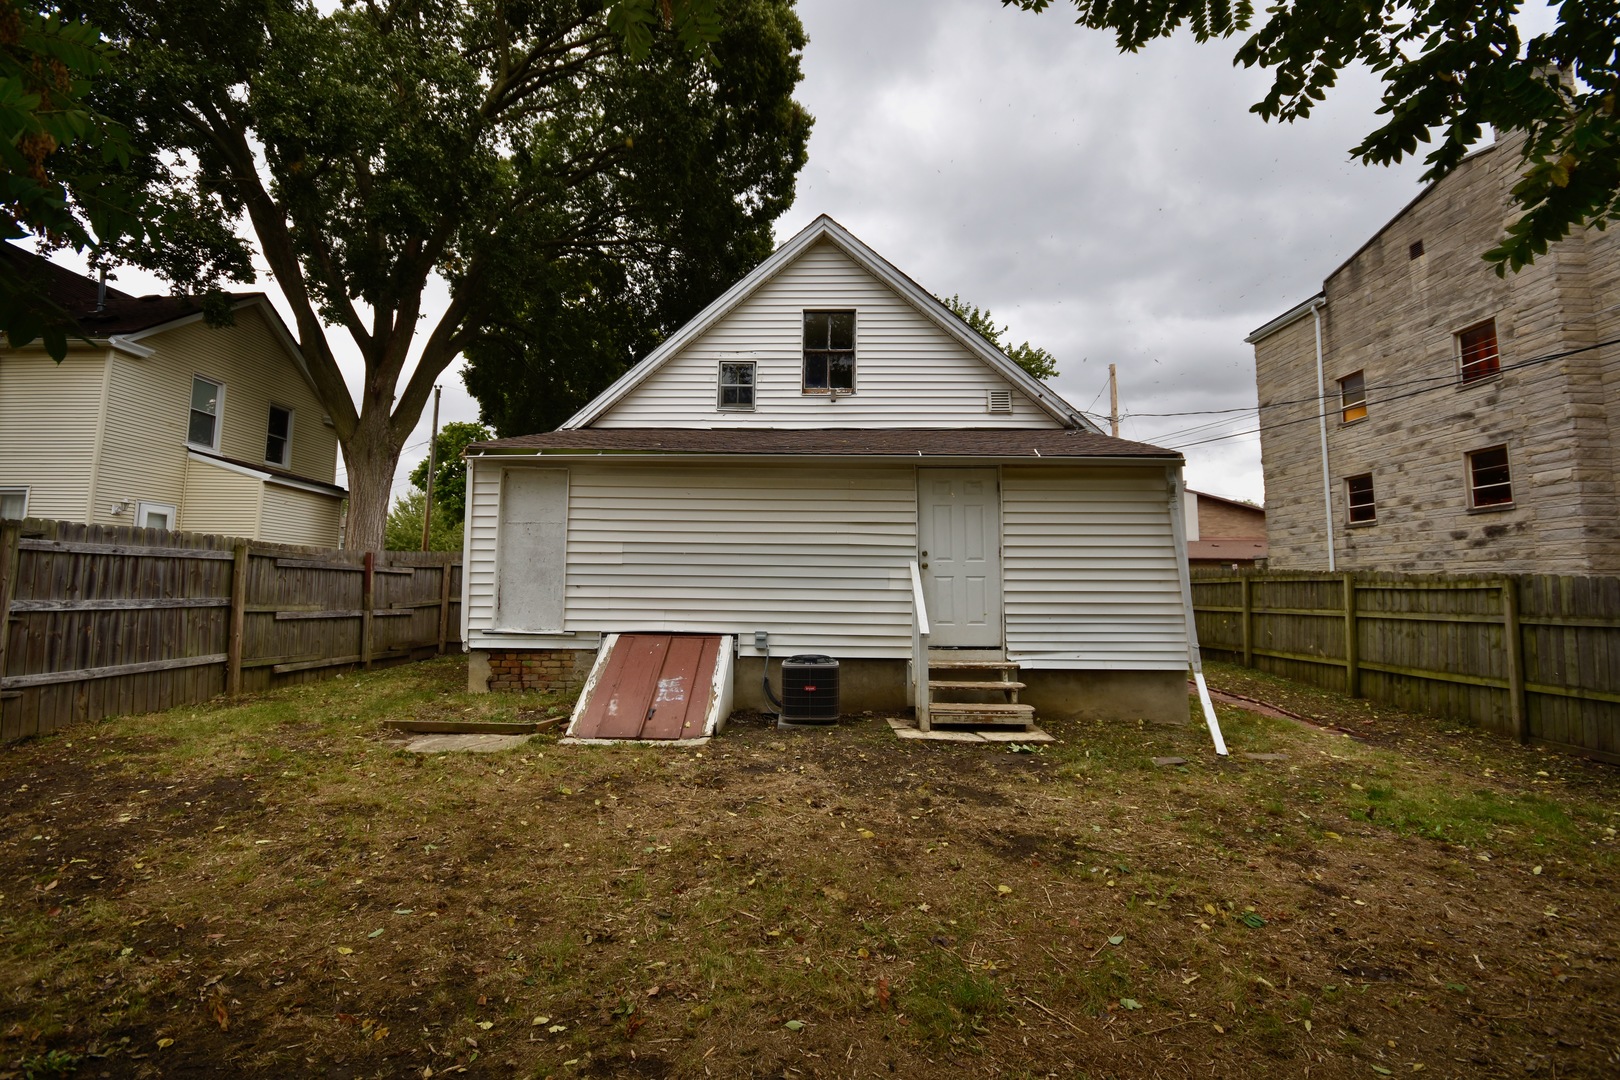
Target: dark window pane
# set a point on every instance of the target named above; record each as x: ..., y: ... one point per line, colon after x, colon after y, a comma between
x: 841, y: 332
x: 815, y: 329
x: 815, y: 371
x: 842, y: 366
x: 1359, y: 490
x: 275, y: 443
x: 201, y: 431
x: 1491, y: 481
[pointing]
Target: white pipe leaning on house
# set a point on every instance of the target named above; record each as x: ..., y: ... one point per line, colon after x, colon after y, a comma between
x: 1178, y: 529
x: 1321, y: 422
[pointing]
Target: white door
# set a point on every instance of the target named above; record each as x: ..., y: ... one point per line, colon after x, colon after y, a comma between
x: 959, y: 549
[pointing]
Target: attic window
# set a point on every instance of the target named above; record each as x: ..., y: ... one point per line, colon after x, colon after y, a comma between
x: 736, y: 390
x: 829, y: 352
x: 278, y: 436
x: 998, y: 401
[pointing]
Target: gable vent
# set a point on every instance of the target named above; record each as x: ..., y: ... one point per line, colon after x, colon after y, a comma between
x: 998, y: 401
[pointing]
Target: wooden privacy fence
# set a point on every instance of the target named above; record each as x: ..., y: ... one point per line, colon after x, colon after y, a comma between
x: 1532, y: 656
x: 100, y: 621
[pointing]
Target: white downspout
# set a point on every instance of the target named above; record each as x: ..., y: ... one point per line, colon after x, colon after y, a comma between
x: 1321, y: 421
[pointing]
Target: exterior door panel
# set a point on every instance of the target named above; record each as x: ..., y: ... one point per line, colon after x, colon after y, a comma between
x: 959, y: 549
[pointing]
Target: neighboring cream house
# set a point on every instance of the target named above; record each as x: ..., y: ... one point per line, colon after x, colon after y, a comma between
x: 161, y: 421
x: 777, y: 472
x: 1470, y: 422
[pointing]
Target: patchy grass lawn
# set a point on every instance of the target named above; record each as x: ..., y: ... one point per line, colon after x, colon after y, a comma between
x: 275, y: 887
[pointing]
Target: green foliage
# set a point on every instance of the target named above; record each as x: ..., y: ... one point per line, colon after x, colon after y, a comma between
x: 1447, y: 67
x: 48, y: 129
x: 1038, y: 362
x: 449, y: 471
x: 404, y: 529
x: 371, y: 148
x: 707, y: 182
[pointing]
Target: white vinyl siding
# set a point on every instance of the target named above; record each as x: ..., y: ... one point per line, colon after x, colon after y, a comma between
x: 295, y: 516
x: 910, y: 372
x: 816, y: 556
x: 479, y: 541
x: 1090, y: 569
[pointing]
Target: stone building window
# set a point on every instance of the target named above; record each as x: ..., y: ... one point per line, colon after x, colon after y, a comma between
x: 1476, y: 349
x: 1490, y: 482
x: 1358, y: 491
x: 1353, y: 397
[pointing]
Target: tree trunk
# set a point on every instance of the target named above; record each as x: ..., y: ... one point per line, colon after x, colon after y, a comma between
x: 371, y: 455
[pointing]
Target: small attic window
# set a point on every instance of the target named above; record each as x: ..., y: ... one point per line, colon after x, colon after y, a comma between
x: 998, y: 401
x: 829, y: 352
x: 736, y: 392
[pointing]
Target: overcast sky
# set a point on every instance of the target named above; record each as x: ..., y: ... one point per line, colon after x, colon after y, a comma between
x: 1110, y: 208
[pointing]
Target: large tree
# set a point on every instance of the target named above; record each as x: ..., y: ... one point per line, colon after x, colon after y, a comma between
x: 1449, y: 67
x: 370, y: 148
x: 1032, y: 358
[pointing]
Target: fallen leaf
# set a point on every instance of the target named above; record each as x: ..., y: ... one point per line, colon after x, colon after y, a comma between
x: 1536, y: 871
x: 794, y: 1025
x: 344, y: 950
x: 1117, y: 939
x: 540, y: 1021
x: 1004, y: 890
x: 485, y: 1025
x: 221, y: 1017
x: 375, y: 933
x: 866, y: 834
x: 1381, y: 1071
x: 164, y: 1044
x: 556, y: 1029
x: 1129, y: 1003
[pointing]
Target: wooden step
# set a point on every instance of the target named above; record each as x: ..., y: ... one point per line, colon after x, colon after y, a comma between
x: 947, y: 684
x: 954, y: 712
x: 973, y: 665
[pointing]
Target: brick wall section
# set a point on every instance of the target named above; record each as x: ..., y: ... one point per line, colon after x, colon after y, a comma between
x: 539, y: 669
x: 1222, y: 519
x: 1395, y: 318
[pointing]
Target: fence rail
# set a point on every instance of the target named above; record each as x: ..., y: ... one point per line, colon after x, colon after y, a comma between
x: 100, y: 621
x: 1536, y: 657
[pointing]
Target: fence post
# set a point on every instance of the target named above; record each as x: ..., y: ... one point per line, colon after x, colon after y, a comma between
x: 1352, y: 639
x: 366, y: 605
x: 1248, y: 620
x: 444, y: 603
x: 233, y: 649
x: 10, y: 532
x: 1513, y: 640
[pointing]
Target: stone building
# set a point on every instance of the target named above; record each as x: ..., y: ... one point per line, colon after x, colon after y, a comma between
x: 1421, y: 413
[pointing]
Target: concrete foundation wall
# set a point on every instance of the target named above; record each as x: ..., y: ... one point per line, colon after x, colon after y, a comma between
x: 869, y: 685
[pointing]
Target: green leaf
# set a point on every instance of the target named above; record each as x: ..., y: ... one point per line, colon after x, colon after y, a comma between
x: 1117, y: 939
x: 794, y: 1025
x: 1129, y: 1003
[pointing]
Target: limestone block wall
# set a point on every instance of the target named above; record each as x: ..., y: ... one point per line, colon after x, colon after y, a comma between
x: 1392, y: 312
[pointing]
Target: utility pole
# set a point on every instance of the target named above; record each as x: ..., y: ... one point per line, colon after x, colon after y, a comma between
x: 1113, y: 400
x: 433, y: 463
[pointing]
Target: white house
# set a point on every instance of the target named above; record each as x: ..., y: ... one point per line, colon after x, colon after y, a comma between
x: 781, y: 471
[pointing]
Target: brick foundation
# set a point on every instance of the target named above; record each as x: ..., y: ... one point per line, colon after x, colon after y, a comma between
x: 538, y: 669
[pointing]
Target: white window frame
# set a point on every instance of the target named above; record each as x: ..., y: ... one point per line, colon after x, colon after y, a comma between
x: 1347, y: 404
x: 144, y: 507
x: 1350, y: 506
x: 286, y: 446
x: 721, y: 386
x: 219, y: 411
x: 18, y: 490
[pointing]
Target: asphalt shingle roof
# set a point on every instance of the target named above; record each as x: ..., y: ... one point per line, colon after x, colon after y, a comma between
x: 834, y: 442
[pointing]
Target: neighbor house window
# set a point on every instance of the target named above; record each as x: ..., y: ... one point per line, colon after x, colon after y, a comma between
x: 1358, y: 492
x: 207, y: 399
x: 154, y: 515
x: 829, y: 352
x: 13, y: 502
x: 1490, y: 483
x: 1476, y: 348
x: 736, y: 385
x: 1353, y: 397
x: 278, y: 442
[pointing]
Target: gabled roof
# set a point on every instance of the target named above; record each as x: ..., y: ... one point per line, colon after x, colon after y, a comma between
x: 122, y: 320
x: 825, y: 228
